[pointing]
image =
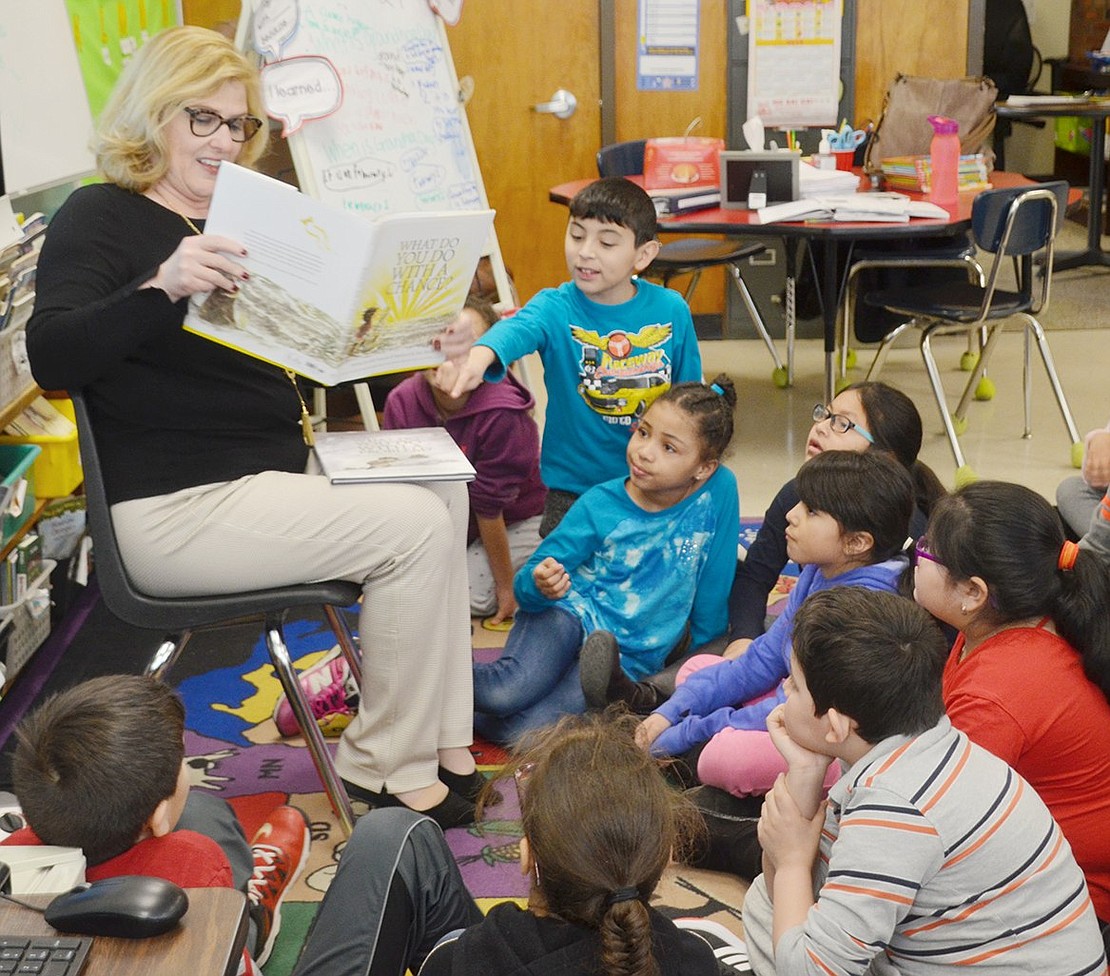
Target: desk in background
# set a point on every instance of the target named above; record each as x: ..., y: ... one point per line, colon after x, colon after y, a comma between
x: 1098, y: 111
x: 209, y: 941
x: 834, y: 235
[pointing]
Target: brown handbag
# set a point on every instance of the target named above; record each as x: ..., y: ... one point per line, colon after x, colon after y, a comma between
x: 903, y: 128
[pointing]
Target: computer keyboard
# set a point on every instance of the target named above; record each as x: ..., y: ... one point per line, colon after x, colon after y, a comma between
x: 43, y: 955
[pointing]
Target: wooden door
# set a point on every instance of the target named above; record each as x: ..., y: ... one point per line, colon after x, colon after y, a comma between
x: 517, y: 54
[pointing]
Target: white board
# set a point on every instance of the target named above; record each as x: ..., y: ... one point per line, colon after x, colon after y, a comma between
x: 399, y: 140
x: 45, y: 123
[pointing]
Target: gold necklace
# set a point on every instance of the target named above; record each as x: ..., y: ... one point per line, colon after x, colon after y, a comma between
x: 307, y: 433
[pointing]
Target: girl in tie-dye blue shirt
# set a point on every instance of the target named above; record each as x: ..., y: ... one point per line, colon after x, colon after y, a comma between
x: 641, y: 557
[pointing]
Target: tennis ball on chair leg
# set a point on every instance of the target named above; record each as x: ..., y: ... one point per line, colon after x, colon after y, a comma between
x: 965, y: 476
x: 1077, y: 454
x: 779, y: 377
x: 984, y: 390
x: 968, y: 361
x: 959, y: 424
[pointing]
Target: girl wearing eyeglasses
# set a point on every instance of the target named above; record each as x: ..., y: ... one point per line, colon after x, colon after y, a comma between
x: 862, y: 417
x: 1029, y: 675
x: 202, y: 451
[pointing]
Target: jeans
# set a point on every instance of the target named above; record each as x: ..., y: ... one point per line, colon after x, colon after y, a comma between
x: 535, y: 680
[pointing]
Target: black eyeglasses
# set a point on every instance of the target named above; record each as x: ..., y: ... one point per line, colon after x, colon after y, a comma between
x: 204, y: 123
x: 840, y: 423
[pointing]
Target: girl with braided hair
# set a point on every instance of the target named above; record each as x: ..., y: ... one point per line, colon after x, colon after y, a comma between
x: 599, y: 824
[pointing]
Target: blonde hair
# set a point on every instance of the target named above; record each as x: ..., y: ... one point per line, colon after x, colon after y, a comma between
x: 177, y: 67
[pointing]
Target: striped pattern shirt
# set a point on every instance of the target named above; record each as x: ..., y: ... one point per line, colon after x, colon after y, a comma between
x: 937, y: 854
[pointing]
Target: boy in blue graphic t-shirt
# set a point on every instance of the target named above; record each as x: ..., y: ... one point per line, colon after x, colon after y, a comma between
x: 610, y: 342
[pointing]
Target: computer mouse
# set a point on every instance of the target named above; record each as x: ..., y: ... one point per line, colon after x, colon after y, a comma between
x: 130, y: 907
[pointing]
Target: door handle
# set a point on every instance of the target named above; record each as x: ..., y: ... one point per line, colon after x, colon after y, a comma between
x: 562, y: 105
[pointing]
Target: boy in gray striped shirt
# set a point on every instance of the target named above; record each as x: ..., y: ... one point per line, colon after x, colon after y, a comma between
x: 929, y: 852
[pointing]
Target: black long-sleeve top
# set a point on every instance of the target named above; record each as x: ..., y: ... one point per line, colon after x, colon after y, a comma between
x: 171, y: 410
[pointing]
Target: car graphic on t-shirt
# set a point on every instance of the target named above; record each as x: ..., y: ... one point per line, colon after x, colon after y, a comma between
x: 623, y: 373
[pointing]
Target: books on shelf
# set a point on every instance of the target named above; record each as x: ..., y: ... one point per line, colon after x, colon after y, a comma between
x: 333, y: 294
x: 414, y: 454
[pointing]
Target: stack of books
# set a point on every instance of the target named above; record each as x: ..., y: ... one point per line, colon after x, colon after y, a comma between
x: 914, y: 173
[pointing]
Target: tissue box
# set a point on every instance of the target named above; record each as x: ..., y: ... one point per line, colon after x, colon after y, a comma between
x: 682, y: 162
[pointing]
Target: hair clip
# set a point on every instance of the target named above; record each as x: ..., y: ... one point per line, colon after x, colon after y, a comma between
x: 1066, y: 560
x: 716, y: 389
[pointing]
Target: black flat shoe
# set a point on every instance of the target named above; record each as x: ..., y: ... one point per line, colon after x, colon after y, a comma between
x: 469, y: 786
x: 452, y: 811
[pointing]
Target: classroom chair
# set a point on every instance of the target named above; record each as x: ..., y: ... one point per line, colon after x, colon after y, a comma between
x: 1018, y: 226
x: 692, y: 255
x: 179, y: 617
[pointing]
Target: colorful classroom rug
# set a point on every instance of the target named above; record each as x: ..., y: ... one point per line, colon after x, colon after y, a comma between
x: 234, y: 751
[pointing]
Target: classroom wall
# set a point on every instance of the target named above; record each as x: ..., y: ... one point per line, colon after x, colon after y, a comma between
x: 906, y: 37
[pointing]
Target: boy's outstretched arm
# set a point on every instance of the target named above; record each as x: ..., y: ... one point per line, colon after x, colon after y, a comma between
x: 472, y: 369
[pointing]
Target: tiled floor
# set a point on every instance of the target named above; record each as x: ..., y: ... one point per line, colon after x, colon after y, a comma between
x: 772, y: 424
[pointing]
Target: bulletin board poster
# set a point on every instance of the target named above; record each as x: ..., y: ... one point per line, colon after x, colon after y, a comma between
x: 794, y: 61
x: 367, y: 96
x: 667, y: 45
x: 108, y: 32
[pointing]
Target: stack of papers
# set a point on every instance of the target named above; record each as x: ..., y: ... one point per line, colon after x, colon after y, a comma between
x: 855, y: 207
x: 814, y: 182
x: 1025, y: 101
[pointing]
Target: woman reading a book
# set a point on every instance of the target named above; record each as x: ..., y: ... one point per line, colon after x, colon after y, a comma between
x: 202, y: 449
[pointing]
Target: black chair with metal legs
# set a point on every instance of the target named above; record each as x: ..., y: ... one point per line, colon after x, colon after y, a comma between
x: 1018, y: 226
x: 926, y: 257
x: 692, y: 255
x: 179, y: 617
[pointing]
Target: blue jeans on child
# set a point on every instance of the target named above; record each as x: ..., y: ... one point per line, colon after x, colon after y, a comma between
x: 535, y: 680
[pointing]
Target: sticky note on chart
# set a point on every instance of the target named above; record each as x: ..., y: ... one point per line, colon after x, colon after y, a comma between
x: 301, y: 88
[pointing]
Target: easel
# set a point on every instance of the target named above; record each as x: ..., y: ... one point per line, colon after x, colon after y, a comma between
x: 303, y: 147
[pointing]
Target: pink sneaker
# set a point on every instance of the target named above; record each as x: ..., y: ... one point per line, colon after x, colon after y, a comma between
x: 331, y: 693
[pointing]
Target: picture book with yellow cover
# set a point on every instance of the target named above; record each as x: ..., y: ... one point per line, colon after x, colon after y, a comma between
x: 332, y: 294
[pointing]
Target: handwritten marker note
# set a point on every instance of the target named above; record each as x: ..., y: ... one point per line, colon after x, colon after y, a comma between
x: 301, y: 88
x: 275, y: 23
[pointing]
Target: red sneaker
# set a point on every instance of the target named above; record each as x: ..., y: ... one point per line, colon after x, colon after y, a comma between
x: 280, y: 851
x: 331, y: 693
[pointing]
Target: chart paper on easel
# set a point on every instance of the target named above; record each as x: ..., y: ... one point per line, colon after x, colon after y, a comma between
x: 794, y: 61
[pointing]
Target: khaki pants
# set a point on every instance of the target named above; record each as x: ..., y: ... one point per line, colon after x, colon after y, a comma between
x: 405, y: 543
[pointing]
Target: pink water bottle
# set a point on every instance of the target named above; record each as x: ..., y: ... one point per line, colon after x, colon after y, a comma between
x: 944, y: 161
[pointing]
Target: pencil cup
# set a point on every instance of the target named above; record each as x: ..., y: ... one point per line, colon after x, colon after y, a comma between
x: 844, y: 158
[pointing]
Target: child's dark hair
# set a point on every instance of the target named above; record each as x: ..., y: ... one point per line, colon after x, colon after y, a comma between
x: 1011, y: 538
x: 602, y: 824
x: 93, y: 762
x: 875, y: 657
x: 615, y: 200
x: 711, y: 407
x: 868, y: 492
x: 893, y: 420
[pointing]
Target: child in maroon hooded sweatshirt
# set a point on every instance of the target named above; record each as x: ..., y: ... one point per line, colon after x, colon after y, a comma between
x: 493, y: 426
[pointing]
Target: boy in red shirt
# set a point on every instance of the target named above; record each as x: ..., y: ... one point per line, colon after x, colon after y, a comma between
x: 100, y: 766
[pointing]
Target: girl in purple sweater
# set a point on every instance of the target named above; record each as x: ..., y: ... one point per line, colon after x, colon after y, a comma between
x: 493, y: 426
